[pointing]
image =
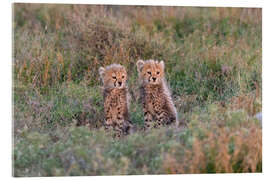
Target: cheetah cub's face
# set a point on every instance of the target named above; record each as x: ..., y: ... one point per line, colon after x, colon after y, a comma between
x: 150, y: 71
x: 113, y: 76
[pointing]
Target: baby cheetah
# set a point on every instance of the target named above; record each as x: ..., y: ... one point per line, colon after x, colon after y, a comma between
x: 115, y: 94
x: 157, y: 103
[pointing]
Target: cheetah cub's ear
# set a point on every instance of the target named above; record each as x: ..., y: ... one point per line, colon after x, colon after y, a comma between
x: 139, y: 64
x: 161, y: 63
x: 101, y: 72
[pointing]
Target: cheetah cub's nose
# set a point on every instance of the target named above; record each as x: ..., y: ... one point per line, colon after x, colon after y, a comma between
x: 154, y: 79
x: 120, y: 83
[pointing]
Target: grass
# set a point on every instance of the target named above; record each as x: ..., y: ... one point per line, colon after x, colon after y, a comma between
x: 213, y: 66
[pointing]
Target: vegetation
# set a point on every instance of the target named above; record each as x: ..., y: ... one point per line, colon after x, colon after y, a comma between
x: 213, y: 66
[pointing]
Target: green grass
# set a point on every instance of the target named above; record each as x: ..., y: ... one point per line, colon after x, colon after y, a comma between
x: 213, y: 66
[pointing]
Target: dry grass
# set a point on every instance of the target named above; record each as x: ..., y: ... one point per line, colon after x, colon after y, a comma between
x: 215, y: 154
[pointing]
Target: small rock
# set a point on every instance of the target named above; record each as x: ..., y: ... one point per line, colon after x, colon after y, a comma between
x: 226, y: 69
x: 259, y: 117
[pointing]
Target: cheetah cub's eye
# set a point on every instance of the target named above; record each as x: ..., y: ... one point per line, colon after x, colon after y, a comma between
x: 114, y: 77
x: 123, y: 76
x: 158, y: 72
x: 149, y: 72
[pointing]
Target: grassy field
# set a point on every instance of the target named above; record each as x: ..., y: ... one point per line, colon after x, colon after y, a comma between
x: 213, y: 59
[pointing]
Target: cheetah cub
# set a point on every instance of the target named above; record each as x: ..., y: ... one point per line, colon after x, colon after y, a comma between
x: 115, y: 95
x: 157, y: 103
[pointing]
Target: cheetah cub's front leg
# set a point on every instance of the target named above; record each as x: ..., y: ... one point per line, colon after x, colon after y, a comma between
x: 115, y: 95
x: 158, y: 106
x: 148, y: 118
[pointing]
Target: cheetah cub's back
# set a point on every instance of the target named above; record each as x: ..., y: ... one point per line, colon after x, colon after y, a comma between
x: 115, y: 96
x: 158, y: 106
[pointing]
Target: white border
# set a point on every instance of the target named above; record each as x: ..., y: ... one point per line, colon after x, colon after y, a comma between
x: 5, y: 95
x: 5, y: 150
x: 266, y: 89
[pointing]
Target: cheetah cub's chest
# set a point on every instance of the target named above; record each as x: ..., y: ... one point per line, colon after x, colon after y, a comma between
x: 154, y: 98
x: 116, y: 106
